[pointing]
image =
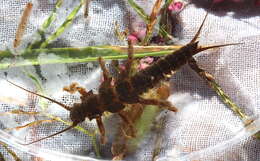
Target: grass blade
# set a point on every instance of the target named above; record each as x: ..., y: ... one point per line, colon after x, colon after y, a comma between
x: 77, y: 55
x: 52, y: 16
x: 139, y: 11
x: 224, y: 97
x: 62, y: 28
x: 45, y: 25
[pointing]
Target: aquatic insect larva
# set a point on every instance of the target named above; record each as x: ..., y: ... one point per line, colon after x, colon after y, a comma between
x: 126, y: 89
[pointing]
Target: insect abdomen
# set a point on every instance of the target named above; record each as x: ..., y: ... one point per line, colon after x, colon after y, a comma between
x: 150, y: 76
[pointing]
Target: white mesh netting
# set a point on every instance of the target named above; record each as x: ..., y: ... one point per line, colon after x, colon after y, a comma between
x: 203, y: 129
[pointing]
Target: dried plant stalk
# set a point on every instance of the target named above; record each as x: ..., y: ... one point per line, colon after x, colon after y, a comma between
x: 145, y: 17
x: 22, y: 25
x: 16, y: 158
x: 19, y: 112
x: 152, y: 22
x: 120, y: 35
x: 86, y: 8
x: 34, y: 123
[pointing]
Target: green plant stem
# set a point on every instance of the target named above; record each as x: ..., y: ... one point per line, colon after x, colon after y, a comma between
x: 74, y: 55
x: 224, y: 97
x: 62, y: 28
x: 139, y: 11
x: 45, y: 25
x: 52, y: 16
x: 216, y: 87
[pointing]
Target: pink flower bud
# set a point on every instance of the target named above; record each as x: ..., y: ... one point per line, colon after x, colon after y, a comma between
x: 145, y: 62
x: 175, y: 6
x: 132, y: 38
x: 136, y: 36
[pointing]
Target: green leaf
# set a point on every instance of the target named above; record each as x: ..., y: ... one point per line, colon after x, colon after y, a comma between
x: 45, y: 25
x: 62, y: 28
x: 76, y: 55
x: 139, y: 11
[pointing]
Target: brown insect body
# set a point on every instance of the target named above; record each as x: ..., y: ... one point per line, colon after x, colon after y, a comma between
x: 127, y: 89
x: 151, y: 75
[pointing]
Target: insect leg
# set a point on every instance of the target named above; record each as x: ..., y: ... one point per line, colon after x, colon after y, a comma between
x: 128, y: 122
x: 162, y: 103
x: 74, y: 87
x: 104, y: 69
x: 124, y: 73
x: 115, y: 67
x: 101, y: 128
x: 130, y: 58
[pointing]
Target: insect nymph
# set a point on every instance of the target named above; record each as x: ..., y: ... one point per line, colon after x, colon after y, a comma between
x: 126, y: 89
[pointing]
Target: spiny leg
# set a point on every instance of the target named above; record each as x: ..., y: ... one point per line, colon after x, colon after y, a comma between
x: 115, y: 67
x: 124, y: 73
x: 104, y: 69
x: 162, y: 103
x: 128, y: 122
x: 74, y: 87
x: 101, y: 128
x: 129, y: 62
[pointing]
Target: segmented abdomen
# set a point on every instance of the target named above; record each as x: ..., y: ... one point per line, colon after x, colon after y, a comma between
x: 150, y: 76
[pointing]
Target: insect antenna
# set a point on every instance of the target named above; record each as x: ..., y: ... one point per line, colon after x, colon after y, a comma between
x: 52, y: 100
x: 68, y: 128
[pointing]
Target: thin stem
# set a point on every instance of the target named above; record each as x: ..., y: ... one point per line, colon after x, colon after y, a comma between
x: 216, y: 87
x: 224, y: 97
x: 45, y: 25
x: 146, y: 18
x: 62, y: 28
